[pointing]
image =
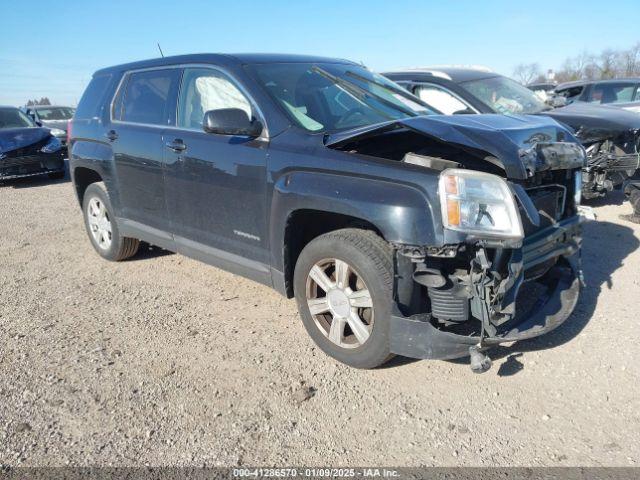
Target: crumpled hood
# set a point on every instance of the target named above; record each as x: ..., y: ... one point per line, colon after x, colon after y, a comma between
x: 595, y: 122
x: 16, y: 138
x: 502, y: 136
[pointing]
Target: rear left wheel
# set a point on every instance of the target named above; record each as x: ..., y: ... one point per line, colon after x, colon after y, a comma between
x: 102, y: 228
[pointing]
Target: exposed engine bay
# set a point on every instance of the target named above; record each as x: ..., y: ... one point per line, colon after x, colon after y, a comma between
x: 610, y: 162
x: 469, y: 286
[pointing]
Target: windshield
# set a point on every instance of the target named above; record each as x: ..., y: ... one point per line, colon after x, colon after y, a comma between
x: 14, y: 118
x: 55, y: 113
x: 505, y: 95
x: 334, y: 97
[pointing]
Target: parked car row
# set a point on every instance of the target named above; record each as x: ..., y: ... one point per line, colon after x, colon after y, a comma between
x: 53, y: 117
x: 430, y: 213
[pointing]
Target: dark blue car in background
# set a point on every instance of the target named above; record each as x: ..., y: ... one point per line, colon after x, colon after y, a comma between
x: 27, y: 149
x: 397, y: 229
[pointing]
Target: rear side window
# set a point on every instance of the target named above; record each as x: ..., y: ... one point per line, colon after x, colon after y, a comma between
x: 93, y: 97
x: 148, y: 97
x: 611, y: 93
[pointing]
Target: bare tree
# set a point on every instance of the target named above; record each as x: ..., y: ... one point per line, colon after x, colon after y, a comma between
x: 607, y: 63
x: 526, y: 73
x: 629, y: 61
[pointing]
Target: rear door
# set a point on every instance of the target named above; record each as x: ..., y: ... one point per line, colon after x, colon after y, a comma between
x: 216, y: 184
x: 144, y: 106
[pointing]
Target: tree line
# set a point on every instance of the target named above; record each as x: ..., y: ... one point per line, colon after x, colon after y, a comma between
x: 42, y: 101
x: 609, y: 63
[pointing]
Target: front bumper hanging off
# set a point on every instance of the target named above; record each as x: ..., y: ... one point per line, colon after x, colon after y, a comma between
x: 418, y: 337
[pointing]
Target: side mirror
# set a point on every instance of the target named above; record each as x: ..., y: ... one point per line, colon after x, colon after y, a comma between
x: 38, y: 122
x: 231, y: 121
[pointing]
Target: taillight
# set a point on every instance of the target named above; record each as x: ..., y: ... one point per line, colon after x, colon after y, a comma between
x: 69, y: 124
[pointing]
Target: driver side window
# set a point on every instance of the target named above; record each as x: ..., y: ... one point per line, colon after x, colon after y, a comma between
x: 440, y: 99
x: 205, y: 89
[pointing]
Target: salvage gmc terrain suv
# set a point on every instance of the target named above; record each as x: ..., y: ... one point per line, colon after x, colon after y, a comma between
x: 397, y: 229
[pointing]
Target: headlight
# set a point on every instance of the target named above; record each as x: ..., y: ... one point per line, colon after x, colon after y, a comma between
x: 478, y: 203
x: 52, y: 146
x: 577, y: 186
x: 56, y: 132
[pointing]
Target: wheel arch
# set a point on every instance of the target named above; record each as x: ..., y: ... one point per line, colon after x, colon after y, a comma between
x: 82, y: 178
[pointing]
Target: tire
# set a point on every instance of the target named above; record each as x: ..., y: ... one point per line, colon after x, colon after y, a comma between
x: 370, y: 269
x: 117, y: 247
x: 634, y: 199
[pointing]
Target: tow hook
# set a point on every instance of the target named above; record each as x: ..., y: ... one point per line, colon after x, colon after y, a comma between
x: 480, y: 362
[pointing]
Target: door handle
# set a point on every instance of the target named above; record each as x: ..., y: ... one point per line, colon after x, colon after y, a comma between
x: 111, y: 135
x: 177, y: 145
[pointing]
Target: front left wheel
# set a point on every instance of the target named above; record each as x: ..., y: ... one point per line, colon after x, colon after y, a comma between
x: 343, y: 286
x: 102, y: 228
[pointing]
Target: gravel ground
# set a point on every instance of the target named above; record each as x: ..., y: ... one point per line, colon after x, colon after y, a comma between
x: 162, y: 360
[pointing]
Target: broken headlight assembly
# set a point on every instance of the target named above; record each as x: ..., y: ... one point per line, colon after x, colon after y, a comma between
x: 52, y: 146
x: 480, y: 204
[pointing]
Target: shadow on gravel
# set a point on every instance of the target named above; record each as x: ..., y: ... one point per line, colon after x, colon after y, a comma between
x: 146, y: 252
x: 614, y: 198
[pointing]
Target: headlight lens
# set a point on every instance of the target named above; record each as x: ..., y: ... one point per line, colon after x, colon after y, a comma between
x: 57, y: 132
x: 53, y: 145
x: 478, y: 203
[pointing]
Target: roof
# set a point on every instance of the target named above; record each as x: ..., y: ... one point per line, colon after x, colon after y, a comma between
x: 541, y: 84
x: 36, y: 107
x: 455, y: 73
x: 224, y: 59
x: 579, y: 83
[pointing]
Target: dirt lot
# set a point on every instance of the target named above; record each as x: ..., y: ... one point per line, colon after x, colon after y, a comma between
x: 162, y: 361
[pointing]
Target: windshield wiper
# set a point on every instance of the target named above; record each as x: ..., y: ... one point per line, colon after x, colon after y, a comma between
x: 397, y: 91
x: 360, y: 91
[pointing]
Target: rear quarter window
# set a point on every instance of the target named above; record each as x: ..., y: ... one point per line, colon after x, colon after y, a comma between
x: 148, y: 97
x: 93, y: 98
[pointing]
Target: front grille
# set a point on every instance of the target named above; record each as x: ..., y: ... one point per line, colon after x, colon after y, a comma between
x: 24, y: 161
x: 16, y: 166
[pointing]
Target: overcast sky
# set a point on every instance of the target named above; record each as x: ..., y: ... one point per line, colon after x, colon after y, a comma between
x: 52, y: 48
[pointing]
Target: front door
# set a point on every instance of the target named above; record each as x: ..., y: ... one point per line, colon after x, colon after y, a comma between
x: 216, y: 184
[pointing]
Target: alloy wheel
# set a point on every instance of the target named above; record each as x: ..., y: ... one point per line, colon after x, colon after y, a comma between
x: 99, y: 223
x: 340, y: 303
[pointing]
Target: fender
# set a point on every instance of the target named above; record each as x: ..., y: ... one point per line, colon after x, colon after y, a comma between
x: 406, y: 214
x: 96, y: 156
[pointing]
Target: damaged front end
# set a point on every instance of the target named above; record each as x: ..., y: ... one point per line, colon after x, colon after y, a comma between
x: 610, y: 162
x: 508, y: 265
x: 611, y: 138
x: 474, y: 295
